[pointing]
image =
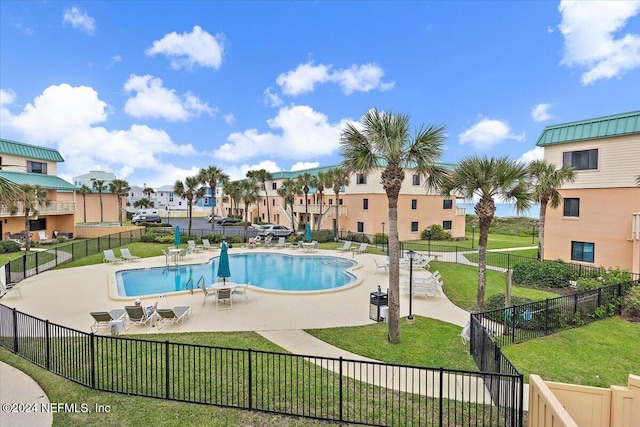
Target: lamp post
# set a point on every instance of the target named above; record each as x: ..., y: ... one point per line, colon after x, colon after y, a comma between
x: 429, y: 239
x: 473, y: 235
x: 533, y: 232
x: 383, y: 242
x: 411, y: 254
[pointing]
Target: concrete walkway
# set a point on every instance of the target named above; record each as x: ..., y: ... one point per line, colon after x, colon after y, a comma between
x: 22, y: 400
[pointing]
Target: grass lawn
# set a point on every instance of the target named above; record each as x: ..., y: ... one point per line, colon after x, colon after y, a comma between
x: 496, y: 241
x: 501, y: 259
x: 600, y: 354
x: 141, y: 249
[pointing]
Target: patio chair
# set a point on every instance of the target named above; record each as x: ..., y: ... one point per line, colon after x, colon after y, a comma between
x: 241, y: 290
x: 191, y: 246
x: 126, y: 255
x: 102, y: 318
x: 361, y: 249
x: 206, y: 245
x: 346, y: 247
x: 223, y: 295
x: 171, y: 316
x: 267, y: 242
x: 382, y: 265
x: 466, y: 333
x: 281, y: 243
x: 11, y: 287
x: 110, y: 257
x: 136, y: 315
x: 206, y: 292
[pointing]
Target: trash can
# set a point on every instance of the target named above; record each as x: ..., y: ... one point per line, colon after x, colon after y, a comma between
x: 377, y: 300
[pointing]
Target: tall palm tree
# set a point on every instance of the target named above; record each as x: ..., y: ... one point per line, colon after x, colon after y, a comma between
x: 120, y: 188
x: 252, y: 176
x: 262, y: 176
x: 489, y: 178
x: 386, y: 141
x: 143, y: 203
x: 98, y: 185
x: 30, y: 197
x: 288, y: 191
x: 250, y: 194
x: 233, y: 190
x: 9, y: 192
x: 189, y: 190
x: 84, y: 190
x: 546, y: 180
x: 320, y: 182
x: 303, y: 182
x: 337, y: 178
x: 148, y: 191
x: 211, y: 176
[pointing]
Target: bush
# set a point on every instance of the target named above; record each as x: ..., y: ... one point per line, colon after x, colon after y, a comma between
x: 605, y: 278
x: 497, y: 301
x: 381, y: 239
x: 631, y: 302
x: 355, y: 237
x: 437, y: 233
x: 8, y: 246
x: 548, y: 274
x: 153, y: 224
x: 322, y: 236
x: 588, y: 283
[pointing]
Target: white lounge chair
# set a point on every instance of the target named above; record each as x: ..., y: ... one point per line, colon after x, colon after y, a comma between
x: 382, y: 265
x: 466, y: 333
x: 346, y: 247
x: 126, y: 255
x: 281, y: 243
x: 361, y: 249
x: 419, y: 263
x: 171, y: 316
x: 427, y: 286
x: 241, y: 290
x: 191, y: 246
x: 110, y: 257
x: 206, y: 245
x: 103, y: 318
x: 12, y: 287
x: 136, y: 315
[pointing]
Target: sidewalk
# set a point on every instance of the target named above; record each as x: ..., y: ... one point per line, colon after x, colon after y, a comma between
x: 18, y: 388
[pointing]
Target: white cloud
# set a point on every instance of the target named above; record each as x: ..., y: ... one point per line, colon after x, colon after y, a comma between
x: 65, y: 117
x: 534, y: 154
x: 488, y: 132
x: 152, y: 100
x: 361, y: 78
x: 298, y: 132
x: 271, y: 99
x: 79, y: 20
x: 189, y: 49
x: 240, y: 172
x: 304, y: 165
x: 589, y: 29
x: 540, y: 112
x: 229, y: 118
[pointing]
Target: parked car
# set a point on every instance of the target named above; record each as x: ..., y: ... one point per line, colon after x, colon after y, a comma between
x: 274, y: 231
x: 228, y: 220
x: 210, y: 218
x: 146, y: 215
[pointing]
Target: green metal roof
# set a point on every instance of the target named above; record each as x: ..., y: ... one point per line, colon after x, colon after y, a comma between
x: 50, y: 182
x: 601, y: 127
x: 29, y: 151
x: 314, y: 171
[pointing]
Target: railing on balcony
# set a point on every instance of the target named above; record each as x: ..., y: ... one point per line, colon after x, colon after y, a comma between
x: 635, y: 226
x: 461, y: 211
x: 54, y: 208
x: 315, y: 209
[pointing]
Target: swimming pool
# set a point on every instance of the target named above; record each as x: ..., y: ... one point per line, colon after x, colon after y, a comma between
x: 270, y: 271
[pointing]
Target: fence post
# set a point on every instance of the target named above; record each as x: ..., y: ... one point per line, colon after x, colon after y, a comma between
x: 15, y: 330
x: 599, y: 297
x: 86, y: 247
x: 73, y: 251
x: 92, y: 355
x: 47, y: 338
x: 619, y: 308
x: 546, y: 316
x: 24, y: 266
x: 250, y: 379
x: 440, y: 402
x: 37, y: 255
x: 340, y: 416
x: 56, y: 254
x: 166, y: 369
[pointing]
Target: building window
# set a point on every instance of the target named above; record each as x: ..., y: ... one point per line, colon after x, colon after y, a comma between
x: 581, y: 160
x: 571, y: 207
x: 447, y: 204
x: 36, y: 167
x: 38, y: 224
x: 416, y: 180
x: 360, y: 227
x: 274, y: 185
x: 361, y: 178
x: 340, y: 202
x: 171, y: 198
x: 414, y: 204
x: 446, y: 225
x: 331, y: 201
x: 414, y: 226
x: 582, y: 251
x: 365, y: 204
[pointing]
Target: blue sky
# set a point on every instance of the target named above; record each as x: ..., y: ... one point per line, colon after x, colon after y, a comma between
x: 153, y: 91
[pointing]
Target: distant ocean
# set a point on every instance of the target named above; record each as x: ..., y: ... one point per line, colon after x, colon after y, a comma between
x: 504, y: 210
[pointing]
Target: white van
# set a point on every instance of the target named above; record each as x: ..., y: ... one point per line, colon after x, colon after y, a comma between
x: 146, y: 215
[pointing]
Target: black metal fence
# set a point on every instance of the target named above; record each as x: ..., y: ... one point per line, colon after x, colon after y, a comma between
x: 532, y: 320
x: 326, y: 388
x: 35, y: 262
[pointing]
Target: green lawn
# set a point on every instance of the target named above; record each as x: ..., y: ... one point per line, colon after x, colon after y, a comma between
x: 496, y: 241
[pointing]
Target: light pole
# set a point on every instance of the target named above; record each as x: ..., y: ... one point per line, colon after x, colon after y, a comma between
x: 411, y: 254
x: 383, y: 242
x: 429, y: 239
x: 473, y: 235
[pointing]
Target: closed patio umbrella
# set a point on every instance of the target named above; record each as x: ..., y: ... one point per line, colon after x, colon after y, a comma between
x: 176, y: 237
x: 307, y: 235
x: 223, y: 263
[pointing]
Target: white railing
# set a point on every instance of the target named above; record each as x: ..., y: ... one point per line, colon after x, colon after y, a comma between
x: 635, y: 226
x: 54, y: 208
x: 461, y: 211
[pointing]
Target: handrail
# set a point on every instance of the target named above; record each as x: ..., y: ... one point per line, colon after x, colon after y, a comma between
x: 190, y: 287
x: 201, y: 279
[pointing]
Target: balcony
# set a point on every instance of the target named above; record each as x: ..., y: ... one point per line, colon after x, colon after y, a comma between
x: 635, y: 226
x: 315, y: 209
x: 54, y: 208
x: 461, y: 211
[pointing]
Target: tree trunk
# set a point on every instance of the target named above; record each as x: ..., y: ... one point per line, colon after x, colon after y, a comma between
x: 337, y: 228
x: 190, y: 207
x: 27, y: 238
x: 246, y: 213
x: 101, y: 210
x: 266, y: 196
x: 394, y: 272
x: 485, y: 209
x: 213, y: 208
x: 84, y: 206
x: 120, y: 209
x: 543, y: 216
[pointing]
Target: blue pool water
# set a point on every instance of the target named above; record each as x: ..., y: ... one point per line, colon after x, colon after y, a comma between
x: 266, y: 270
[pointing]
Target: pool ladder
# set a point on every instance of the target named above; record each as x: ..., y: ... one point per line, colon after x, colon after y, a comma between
x: 189, y: 285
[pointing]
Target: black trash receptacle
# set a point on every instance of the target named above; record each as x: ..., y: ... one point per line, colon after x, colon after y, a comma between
x: 377, y: 301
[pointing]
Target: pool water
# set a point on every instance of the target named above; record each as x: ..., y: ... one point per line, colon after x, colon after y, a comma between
x: 271, y: 271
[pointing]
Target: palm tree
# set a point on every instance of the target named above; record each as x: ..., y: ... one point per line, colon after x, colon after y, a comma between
x: 148, y: 191
x: 84, y: 190
x: 320, y: 181
x: 250, y: 194
x: 385, y: 141
x: 288, y: 191
x: 120, y: 188
x: 211, y: 176
x: 546, y: 180
x: 303, y: 182
x: 99, y: 186
x: 337, y: 178
x: 143, y: 203
x: 489, y: 178
x: 638, y: 180
x: 233, y: 190
x: 9, y: 192
x: 30, y: 197
x: 189, y: 190
x: 262, y: 176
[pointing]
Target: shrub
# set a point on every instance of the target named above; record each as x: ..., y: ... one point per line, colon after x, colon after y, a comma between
x: 588, y: 283
x: 322, y: 236
x: 8, y: 246
x: 355, y: 237
x: 497, y: 301
x: 631, y: 302
x: 605, y: 278
x: 437, y: 233
x: 549, y: 274
x: 164, y: 238
x: 381, y: 239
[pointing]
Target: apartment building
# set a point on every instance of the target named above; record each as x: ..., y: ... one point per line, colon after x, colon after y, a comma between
x: 89, y: 178
x: 598, y: 223
x: 362, y: 206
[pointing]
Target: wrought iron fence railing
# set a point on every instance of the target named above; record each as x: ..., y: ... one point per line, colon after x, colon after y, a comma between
x: 334, y: 389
